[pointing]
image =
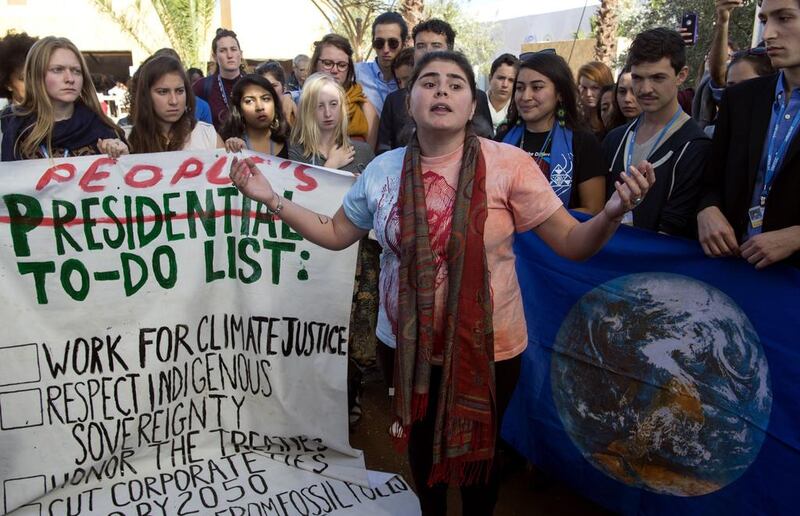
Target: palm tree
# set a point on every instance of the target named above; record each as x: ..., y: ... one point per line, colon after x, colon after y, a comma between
x: 412, y: 11
x: 605, y: 49
x: 353, y: 20
x: 186, y: 23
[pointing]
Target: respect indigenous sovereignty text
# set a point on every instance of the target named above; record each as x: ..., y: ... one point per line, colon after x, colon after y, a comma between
x: 169, y: 348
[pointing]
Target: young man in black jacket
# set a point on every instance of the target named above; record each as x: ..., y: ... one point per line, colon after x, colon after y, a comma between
x: 750, y: 204
x: 396, y: 126
x: 663, y: 135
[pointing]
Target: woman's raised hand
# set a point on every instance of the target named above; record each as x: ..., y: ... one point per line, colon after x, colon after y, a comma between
x: 251, y: 182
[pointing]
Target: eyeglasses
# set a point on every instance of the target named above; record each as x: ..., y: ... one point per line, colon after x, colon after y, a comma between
x: 379, y: 43
x: 527, y: 55
x: 327, y: 64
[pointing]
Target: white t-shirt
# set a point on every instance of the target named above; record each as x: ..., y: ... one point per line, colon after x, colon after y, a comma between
x: 498, y: 116
x: 203, y: 137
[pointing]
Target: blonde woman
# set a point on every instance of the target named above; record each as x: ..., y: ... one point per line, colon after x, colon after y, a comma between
x: 320, y: 136
x: 333, y: 55
x: 60, y: 115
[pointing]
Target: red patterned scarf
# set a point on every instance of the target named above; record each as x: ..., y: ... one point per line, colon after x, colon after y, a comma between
x: 465, y: 428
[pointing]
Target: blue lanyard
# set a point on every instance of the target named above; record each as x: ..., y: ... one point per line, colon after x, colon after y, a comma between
x: 44, y: 152
x: 663, y: 132
x: 775, y: 158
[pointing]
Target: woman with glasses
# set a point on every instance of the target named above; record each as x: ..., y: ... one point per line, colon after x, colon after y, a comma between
x: 445, y: 210
x: 544, y: 121
x: 59, y: 115
x: 256, y: 121
x: 334, y: 55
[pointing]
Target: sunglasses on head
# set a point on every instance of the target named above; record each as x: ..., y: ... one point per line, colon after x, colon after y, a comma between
x: 526, y: 55
x: 379, y: 43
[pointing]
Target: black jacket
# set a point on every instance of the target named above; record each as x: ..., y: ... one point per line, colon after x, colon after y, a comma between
x: 671, y: 204
x: 739, y: 139
x: 396, y: 126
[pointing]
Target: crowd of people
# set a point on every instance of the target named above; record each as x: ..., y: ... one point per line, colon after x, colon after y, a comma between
x: 436, y: 156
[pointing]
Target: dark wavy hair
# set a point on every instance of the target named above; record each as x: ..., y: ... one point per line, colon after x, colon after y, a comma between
x: 436, y: 26
x: 145, y: 135
x: 389, y: 18
x: 451, y: 56
x: 653, y: 45
x: 619, y: 118
x: 13, y: 51
x: 404, y: 58
x: 274, y: 68
x: 503, y: 59
x: 340, y: 42
x: 235, y: 126
x: 609, y: 88
x: 557, y: 70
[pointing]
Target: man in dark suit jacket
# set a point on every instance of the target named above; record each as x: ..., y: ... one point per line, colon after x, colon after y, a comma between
x: 752, y: 180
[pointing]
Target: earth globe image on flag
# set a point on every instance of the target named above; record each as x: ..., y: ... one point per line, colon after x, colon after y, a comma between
x: 660, y: 381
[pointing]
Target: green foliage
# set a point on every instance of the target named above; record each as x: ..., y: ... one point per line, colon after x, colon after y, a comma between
x: 668, y: 13
x: 353, y: 20
x: 186, y: 23
x: 473, y: 38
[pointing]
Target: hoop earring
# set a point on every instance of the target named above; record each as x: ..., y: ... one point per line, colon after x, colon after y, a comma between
x: 275, y: 124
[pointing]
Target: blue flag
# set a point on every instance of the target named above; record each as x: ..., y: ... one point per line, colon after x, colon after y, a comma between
x: 659, y: 381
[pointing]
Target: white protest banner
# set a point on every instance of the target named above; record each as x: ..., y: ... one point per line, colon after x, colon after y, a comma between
x: 169, y: 348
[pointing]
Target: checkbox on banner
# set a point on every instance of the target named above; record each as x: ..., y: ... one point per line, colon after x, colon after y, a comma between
x: 19, y: 364
x: 19, y: 491
x: 20, y: 409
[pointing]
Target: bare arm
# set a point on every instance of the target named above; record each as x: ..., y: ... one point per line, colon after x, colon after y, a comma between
x: 579, y: 241
x: 331, y: 233
x: 718, y: 53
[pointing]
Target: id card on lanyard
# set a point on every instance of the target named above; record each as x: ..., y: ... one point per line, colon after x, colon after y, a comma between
x: 776, y: 152
x: 46, y: 154
x: 628, y: 217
